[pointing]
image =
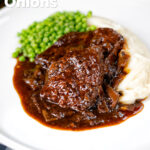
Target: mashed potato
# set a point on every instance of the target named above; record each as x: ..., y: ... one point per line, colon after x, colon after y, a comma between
x: 136, y: 84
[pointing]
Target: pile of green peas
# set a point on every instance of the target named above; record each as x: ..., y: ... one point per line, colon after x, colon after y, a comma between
x: 41, y: 35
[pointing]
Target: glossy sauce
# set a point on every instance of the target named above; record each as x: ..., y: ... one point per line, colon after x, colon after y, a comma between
x: 33, y: 83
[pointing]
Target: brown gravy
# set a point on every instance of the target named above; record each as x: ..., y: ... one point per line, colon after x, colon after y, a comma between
x: 83, y: 114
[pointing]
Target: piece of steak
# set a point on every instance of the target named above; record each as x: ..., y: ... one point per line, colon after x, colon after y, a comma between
x: 79, y: 67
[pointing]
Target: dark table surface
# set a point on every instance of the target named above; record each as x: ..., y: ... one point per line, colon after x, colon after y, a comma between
x: 2, y: 147
x: 1, y: 3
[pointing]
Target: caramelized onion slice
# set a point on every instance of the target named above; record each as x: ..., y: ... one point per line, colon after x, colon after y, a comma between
x: 47, y: 117
x: 113, y: 95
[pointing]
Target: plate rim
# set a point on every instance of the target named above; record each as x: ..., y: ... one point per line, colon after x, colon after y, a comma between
x: 5, y: 139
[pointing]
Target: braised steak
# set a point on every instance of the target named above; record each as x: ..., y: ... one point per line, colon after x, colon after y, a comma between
x: 73, y: 84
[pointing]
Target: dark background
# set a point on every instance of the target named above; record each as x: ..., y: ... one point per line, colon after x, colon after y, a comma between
x: 2, y: 3
x: 2, y: 147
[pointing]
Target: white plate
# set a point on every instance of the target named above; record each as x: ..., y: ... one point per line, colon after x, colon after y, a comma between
x: 21, y: 132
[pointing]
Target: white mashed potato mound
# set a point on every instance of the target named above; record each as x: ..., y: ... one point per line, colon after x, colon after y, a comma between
x: 136, y: 84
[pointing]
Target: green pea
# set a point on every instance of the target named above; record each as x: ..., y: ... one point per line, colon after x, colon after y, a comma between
x: 84, y: 25
x: 21, y: 41
x: 78, y: 19
x: 25, y: 53
x: 19, y: 50
x: 41, y: 35
x: 15, y: 54
x: 18, y: 34
x: 43, y: 49
x: 33, y: 44
x: 60, y: 23
x: 45, y: 39
x: 32, y: 55
x: 49, y: 44
x: 62, y: 18
x: 32, y: 59
x: 93, y: 27
x: 30, y: 38
x: 66, y: 30
x: 22, y: 58
x: 81, y: 30
x: 37, y: 51
x: 84, y: 19
x: 38, y: 26
x: 46, y: 29
x: 77, y: 27
x: 56, y: 28
x: 54, y: 40
x: 42, y: 45
x: 88, y: 29
x: 89, y: 14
